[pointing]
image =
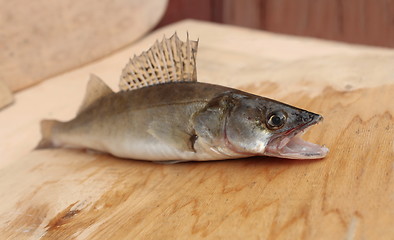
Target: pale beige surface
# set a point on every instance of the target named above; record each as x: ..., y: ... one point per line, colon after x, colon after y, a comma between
x: 56, y: 194
x: 43, y: 38
x: 6, y: 97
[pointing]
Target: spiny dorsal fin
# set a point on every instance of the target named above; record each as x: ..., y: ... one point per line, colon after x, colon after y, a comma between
x: 171, y: 60
x: 95, y: 89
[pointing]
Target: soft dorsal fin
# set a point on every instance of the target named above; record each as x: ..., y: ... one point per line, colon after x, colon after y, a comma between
x: 95, y: 89
x: 171, y: 60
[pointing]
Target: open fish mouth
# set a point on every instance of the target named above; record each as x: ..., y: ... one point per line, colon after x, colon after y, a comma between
x: 290, y: 145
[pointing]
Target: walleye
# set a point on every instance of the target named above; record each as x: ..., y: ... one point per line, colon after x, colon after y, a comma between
x: 162, y: 113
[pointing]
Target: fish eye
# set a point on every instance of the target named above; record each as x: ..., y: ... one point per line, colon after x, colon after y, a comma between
x: 276, y: 120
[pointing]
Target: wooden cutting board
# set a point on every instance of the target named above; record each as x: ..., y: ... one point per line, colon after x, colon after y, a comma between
x: 71, y: 194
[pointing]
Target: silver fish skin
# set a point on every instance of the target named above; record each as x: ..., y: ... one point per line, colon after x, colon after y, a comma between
x: 185, y: 122
x: 163, y: 114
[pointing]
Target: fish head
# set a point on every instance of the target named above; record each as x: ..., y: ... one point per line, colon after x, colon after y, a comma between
x: 261, y: 126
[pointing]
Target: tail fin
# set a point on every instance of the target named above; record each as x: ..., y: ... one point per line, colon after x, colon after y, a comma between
x: 46, y: 132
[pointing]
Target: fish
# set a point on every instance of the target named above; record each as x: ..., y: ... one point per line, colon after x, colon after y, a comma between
x: 163, y: 114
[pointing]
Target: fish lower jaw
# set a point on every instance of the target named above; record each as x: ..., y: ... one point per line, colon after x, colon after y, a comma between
x: 295, y: 148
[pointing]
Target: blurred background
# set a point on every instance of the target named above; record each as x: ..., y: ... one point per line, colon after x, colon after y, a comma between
x: 369, y: 22
x: 41, y: 39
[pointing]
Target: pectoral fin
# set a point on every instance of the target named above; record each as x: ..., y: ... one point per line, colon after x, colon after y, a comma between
x: 178, y: 138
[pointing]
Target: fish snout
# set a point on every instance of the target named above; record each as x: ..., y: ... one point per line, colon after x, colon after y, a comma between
x: 309, y: 117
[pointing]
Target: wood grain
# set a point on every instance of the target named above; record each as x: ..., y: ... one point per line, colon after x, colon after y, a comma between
x: 347, y: 195
x: 364, y: 22
x: 42, y: 38
x: 368, y: 22
x: 63, y: 194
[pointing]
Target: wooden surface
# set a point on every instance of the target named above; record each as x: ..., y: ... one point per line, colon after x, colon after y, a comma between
x: 6, y: 97
x: 69, y: 194
x: 42, y: 38
x: 364, y: 22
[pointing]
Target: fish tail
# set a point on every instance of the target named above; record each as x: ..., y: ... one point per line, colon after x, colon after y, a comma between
x: 47, y: 127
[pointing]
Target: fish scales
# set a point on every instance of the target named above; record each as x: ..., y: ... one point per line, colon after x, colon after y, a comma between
x: 129, y: 115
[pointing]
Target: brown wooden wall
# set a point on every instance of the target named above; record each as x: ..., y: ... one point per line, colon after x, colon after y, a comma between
x: 368, y: 22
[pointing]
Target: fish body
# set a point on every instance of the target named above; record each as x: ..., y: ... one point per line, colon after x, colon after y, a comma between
x: 168, y: 116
